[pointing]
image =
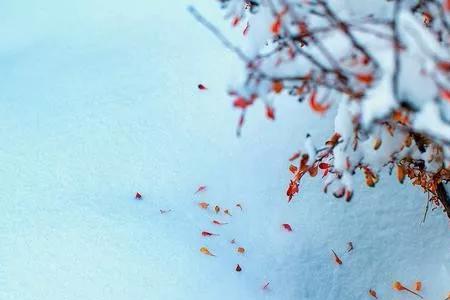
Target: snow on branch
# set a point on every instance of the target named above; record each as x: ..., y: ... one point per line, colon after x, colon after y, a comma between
x: 385, y: 66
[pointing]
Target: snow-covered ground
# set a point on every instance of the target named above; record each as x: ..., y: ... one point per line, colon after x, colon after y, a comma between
x: 99, y: 100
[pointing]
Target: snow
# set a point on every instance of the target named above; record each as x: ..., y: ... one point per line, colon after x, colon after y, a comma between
x: 100, y: 101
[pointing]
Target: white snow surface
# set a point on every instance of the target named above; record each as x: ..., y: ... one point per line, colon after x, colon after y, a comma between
x: 99, y: 100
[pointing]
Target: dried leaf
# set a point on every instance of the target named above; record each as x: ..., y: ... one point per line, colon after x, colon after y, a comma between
x: 349, y: 247
x: 400, y: 174
x: 316, y: 106
x: 276, y: 25
x: 418, y: 286
x: 201, y: 87
x: 287, y: 227
x: 366, y: 78
x: 373, y: 294
x: 277, y: 86
x: 205, y: 251
x: 200, y: 189
x: 336, y: 258
x: 206, y: 234
x: 240, y: 250
x: 293, y: 169
x: 294, y: 156
x: 203, y: 205
x: 333, y: 140
x: 399, y: 287
x: 247, y: 27
x: 270, y: 112
x: 215, y: 222
x: 238, y: 268
x: 376, y: 143
x: 292, y: 190
x: 138, y: 196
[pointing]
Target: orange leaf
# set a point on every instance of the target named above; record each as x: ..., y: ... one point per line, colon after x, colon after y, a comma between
x: 445, y: 94
x: 203, y: 205
x: 399, y: 287
x: 336, y: 258
x: 270, y: 112
x: 377, y: 143
x: 316, y: 106
x: 294, y: 156
x: 241, y: 103
x: 366, y: 78
x: 293, y: 169
x: 333, y: 140
x: 400, y: 173
x: 418, y: 286
x: 218, y: 223
x: 276, y: 25
x: 277, y: 86
x: 235, y: 21
x: 446, y: 4
x: 444, y: 66
x: 292, y: 190
x: 313, y: 171
x: 205, y: 251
